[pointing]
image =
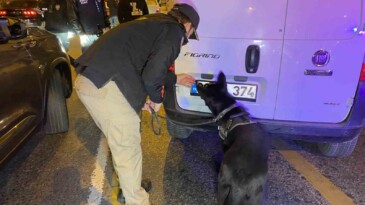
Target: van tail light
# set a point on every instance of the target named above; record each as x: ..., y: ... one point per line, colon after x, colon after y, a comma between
x: 2, y: 13
x: 362, y: 74
x: 172, y: 68
x: 29, y: 13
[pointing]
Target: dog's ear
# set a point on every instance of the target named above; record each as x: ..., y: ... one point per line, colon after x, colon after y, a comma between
x: 222, y: 80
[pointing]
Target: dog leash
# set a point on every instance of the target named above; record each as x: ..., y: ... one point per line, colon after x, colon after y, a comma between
x: 224, y: 112
x: 155, y: 118
x: 156, y: 124
x: 208, y: 121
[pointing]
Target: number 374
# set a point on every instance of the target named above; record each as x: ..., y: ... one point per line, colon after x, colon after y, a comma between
x: 242, y: 91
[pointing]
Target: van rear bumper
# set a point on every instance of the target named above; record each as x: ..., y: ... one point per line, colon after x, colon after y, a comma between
x: 324, y: 132
x: 308, y: 131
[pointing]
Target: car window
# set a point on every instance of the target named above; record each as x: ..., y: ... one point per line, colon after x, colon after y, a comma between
x: 11, y: 29
x: 12, y: 21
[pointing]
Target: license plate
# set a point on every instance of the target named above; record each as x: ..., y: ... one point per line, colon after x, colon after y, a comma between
x: 246, y: 92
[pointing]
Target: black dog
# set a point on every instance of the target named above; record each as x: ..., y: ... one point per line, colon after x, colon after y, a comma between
x: 243, y: 172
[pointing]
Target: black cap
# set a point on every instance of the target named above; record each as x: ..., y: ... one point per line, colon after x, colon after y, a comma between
x: 193, y: 16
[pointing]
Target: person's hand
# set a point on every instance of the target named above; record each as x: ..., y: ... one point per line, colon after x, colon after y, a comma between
x: 149, y: 104
x: 155, y: 106
x: 185, y: 79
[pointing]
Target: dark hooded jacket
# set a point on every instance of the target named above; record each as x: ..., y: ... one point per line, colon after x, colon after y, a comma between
x: 55, y: 18
x: 87, y: 16
x: 113, y: 7
x: 136, y: 55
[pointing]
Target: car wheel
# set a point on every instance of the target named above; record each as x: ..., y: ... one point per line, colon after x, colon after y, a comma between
x: 341, y: 149
x: 56, y: 112
x: 66, y: 86
x: 177, y: 131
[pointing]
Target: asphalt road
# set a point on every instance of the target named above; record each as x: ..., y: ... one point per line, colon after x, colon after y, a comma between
x: 75, y: 168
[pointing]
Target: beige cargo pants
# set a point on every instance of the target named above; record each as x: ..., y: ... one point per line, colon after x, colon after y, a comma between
x: 120, y: 124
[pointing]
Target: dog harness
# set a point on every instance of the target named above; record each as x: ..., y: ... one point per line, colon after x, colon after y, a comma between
x: 224, y: 112
x: 234, y: 121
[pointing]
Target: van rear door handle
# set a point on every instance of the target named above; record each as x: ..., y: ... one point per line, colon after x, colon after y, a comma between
x: 252, y: 58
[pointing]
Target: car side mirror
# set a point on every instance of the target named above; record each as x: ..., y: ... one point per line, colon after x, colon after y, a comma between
x: 18, y: 30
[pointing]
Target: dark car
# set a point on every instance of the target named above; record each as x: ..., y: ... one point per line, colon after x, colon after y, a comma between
x: 31, y: 11
x: 35, y: 81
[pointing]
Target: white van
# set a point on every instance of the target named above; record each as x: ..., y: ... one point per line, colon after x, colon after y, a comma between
x: 297, y: 66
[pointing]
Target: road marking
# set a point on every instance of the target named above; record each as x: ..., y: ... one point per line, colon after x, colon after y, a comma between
x: 327, y: 189
x: 98, y: 175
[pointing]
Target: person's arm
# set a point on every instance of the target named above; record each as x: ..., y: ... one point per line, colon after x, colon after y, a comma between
x: 106, y: 15
x: 107, y: 6
x: 161, y: 58
x: 73, y: 17
x: 123, y: 10
x: 145, y: 8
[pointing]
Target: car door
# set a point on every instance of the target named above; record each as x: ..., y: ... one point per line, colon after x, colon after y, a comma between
x: 20, y: 93
x: 322, y: 58
x: 231, y: 33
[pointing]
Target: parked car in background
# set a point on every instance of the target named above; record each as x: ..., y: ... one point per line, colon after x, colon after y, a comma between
x: 31, y: 11
x: 297, y: 66
x: 35, y: 81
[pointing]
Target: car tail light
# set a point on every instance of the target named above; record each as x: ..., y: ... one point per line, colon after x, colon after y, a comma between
x: 362, y: 74
x: 2, y: 13
x: 29, y: 13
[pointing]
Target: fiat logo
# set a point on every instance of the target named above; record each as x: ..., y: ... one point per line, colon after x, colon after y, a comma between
x: 320, y: 58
